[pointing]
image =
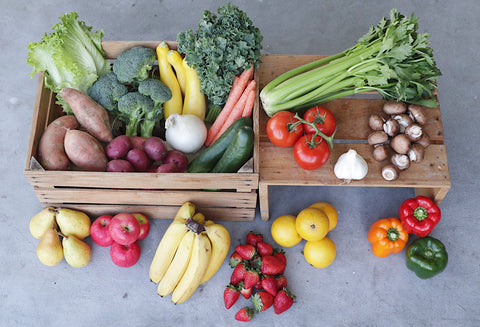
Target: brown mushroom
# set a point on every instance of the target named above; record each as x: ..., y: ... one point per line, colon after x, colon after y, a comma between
x: 391, y: 127
x: 380, y: 152
x: 414, y: 132
x: 401, y: 161
x: 377, y: 137
x: 390, y: 172
x: 376, y: 122
x: 394, y: 107
x: 400, y: 144
x: 425, y: 140
x: 417, y: 114
x: 403, y: 120
x: 416, y: 153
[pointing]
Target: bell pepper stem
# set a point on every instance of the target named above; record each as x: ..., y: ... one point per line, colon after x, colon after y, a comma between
x: 420, y: 213
x: 393, y: 234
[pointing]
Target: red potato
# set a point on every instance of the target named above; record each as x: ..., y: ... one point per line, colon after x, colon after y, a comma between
x: 139, y: 160
x: 85, y: 151
x: 155, y: 148
x: 178, y: 159
x: 137, y: 141
x: 118, y: 147
x: 120, y: 166
x: 51, y: 149
x: 91, y: 115
x: 167, y: 168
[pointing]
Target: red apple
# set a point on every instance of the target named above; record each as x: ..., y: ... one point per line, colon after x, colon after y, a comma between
x: 144, y: 225
x: 125, y: 255
x: 99, y: 230
x: 124, y: 228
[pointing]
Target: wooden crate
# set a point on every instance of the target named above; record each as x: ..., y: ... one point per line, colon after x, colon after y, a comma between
x: 157, y: 195
x: 277, y: 166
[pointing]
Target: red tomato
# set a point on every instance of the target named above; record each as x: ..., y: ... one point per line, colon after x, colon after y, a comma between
x: 280, y: 131
x: 311, y: 155
x: 323, y: 119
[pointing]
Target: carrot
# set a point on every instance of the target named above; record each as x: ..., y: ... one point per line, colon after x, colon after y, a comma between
x: 237, y: 109
x: 247, y: 111
x: 234, y: 95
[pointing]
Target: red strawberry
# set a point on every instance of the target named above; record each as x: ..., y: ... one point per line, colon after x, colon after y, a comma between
x: 253, y: 238
x: 264, y: 249
x: 246, y: 251
x: 281, y: 281
x: 269, y: 284
x: 262, y: 301
x: 251, y: 278
x: 258, y: 286
x: 280, y: 254
x: 245, y: 314
x: 283, y: 301
x: 237, y: 274
x: 235, y: 259
x: 271, y: 265
x: 246, y: 292
x: 230, y: 295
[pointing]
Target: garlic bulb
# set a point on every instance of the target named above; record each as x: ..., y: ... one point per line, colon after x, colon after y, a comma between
x: 350, y: 166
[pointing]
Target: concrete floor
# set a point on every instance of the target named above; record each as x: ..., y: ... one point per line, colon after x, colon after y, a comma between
x: 358, y: 289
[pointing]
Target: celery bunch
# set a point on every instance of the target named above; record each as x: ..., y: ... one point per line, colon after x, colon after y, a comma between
x: 392, y: 58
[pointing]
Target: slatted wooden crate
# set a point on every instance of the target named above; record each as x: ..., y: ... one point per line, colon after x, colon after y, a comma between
x: 277, y: 167
x: 157, y: 195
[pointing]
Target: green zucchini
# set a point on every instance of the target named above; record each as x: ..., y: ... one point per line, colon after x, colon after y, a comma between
x: 237, y: 153
x: 208, y: 158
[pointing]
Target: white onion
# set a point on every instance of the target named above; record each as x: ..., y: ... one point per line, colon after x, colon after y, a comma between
x: 185, y: 133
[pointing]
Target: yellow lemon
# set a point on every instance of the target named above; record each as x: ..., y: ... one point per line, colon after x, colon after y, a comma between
x: 312, y: 224
x: 330, y: 211
x: 320, y: 254
x: 284, y: 231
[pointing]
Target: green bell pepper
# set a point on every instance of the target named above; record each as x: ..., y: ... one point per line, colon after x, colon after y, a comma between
x: 426, y: 257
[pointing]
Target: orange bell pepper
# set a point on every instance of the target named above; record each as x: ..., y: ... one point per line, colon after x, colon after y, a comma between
x: 387, y: 236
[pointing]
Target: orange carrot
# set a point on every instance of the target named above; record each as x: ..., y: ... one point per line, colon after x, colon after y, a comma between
x: 237, y: 109
x: 234, y: 95
x: 247, y: 111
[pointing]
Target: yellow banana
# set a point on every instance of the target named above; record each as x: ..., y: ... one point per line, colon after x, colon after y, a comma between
x: 220, y: 239
x: 194, y: 102
x: 187, y: 210
x: 197, y: 266
x: 178, y: 266
x: 175, y: 59
x: 167, y: 76
x: 166, y: 249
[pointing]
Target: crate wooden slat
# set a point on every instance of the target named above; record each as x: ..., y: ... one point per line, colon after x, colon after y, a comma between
x: 277, y: 166
x: 158, y: 195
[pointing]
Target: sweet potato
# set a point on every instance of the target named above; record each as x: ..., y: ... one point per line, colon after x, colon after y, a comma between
x: 85, y: 151
x: 51, y: 151
x: 91, y: 115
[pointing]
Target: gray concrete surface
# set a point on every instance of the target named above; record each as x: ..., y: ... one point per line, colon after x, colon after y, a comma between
x: 358, y: 289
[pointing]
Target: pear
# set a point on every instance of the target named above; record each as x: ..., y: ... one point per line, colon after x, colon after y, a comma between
x: 49, y: 249
x: 42, y: 221
x: 73, y: 222
x: 77, y: 253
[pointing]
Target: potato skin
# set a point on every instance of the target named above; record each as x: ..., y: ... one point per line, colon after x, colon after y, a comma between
x: 51, y: 150
x: 85, y: 151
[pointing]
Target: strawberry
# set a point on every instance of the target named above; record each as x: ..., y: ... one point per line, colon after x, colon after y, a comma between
x: 264, y: 249
x: 271, y: 265
x: 246, y: 251
x: 235, y: 259
x: 246, y: 292
x: 280, y: 254
x: 281, y: 281
x: 262, y: 301
x: 251, y: 278
x: 258, y: 286
x: 283, y: 301
x: 269, y: 284
x: 237, y: 274
x: 253, y: 238
x: 230, y: 295
x: 245, y: 314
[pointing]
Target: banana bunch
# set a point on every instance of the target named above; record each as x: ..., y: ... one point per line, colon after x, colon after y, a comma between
x: 189, y: 254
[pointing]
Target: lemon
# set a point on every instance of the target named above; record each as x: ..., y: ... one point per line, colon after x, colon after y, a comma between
x: 330, y: 211
x: 312, y: 224
x: 284, y: 232
x: 320, y: 254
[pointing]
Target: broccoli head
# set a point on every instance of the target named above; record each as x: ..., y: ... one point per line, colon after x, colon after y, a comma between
x: 132, y: 108
x: 134, y: 64
x: 107, y: 90
x: 159, y: 93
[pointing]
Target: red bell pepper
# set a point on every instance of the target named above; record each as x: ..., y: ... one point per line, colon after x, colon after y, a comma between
x: 419, y: 215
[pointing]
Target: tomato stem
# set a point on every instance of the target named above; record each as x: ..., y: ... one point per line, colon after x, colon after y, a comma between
x: 329, y: 139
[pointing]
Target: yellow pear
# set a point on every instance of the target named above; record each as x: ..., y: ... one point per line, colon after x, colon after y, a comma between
x: 49, y: 249
x: 42, y: 221
x: 77, y: 253
x: 73, y: 222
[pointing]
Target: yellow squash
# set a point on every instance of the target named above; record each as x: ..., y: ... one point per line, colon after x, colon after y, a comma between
x: 176, y: 60
x: 194, y: 102
x: 167, y: 76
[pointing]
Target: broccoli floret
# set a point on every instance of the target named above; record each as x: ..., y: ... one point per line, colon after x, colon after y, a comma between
x: 159, y: 93
x: 107, y: 90
x: 132, y: 108
x: 134, y: 64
